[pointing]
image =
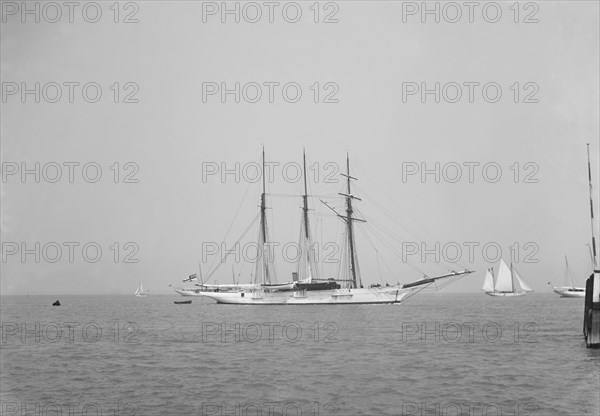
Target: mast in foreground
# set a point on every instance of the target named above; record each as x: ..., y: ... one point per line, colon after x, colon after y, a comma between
x: 593, y: 248
x: 591, y: 312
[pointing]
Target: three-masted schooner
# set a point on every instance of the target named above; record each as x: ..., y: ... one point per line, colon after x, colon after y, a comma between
x: 311, y: 289
x: 507, y: 283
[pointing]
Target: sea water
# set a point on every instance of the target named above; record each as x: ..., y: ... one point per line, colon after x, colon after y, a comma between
x: 435, y: 354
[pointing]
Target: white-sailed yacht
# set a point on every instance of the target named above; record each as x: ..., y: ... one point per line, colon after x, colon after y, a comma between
x: 507, y: 283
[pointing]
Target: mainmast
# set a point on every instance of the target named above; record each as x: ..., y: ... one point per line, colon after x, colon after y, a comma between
x: 263, y: 221
x: 593, y: 248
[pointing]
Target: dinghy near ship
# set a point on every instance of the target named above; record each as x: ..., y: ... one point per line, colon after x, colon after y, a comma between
x: 507, y: 283
x: 312, y: 289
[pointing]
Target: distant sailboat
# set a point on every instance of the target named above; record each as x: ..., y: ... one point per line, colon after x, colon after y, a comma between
x: 139, y: 292
x: 569, y: 290
x: 507, y: 283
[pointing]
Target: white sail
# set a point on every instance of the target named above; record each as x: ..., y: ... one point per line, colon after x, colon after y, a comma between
x: 568, y: 275
x: 523, y: 285
x: 516, y: 285
x: 504, y: 280
x: 488, y: 283
x: 568, y: 279
x: 140, y: 291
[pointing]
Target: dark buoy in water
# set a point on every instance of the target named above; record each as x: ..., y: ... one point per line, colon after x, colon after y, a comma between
x: 57, y: 303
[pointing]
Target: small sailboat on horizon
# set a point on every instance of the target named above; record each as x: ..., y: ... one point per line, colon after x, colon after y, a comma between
x: 139, y: 292
x: 507, y: 282
x: 569, y: 290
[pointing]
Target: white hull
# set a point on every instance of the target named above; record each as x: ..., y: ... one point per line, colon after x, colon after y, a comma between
x: 506, y: 293
x: 316, y: 297
x: 568, y: 292
x: 141, y: 296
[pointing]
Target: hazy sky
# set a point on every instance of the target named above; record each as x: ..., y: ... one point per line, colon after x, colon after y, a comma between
x: 369, y: 59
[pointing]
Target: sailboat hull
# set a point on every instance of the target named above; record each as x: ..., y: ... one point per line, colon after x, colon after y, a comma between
x: 503, y: 294
x: 569, y: 292
x: 316, y: 297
